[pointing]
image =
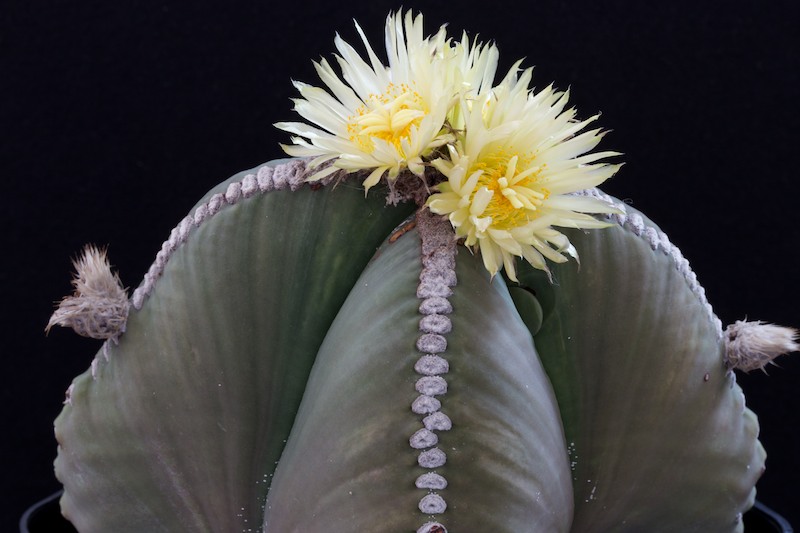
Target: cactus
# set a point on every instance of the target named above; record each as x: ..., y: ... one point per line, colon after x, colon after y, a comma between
x: 312, y: 369
x: 302, y: 356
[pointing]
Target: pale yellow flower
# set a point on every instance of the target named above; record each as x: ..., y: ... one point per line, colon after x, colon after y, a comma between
x: 510, y: 172
x: 386, y: 118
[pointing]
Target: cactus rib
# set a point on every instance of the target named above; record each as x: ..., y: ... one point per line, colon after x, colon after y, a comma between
x: 291, y: 175
x: 658, y: 241
x: 348, y: 465
x: 172, y: 400
x: 673, y: 368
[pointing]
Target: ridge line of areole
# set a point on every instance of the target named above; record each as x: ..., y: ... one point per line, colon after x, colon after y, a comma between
x: 436, y: 279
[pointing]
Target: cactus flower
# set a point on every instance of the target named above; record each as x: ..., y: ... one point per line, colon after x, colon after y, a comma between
x: 386, y: 118
x: 511, y: 172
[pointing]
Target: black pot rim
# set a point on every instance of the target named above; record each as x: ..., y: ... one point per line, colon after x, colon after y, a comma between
x: 774, y: 518
x: 33, y: 509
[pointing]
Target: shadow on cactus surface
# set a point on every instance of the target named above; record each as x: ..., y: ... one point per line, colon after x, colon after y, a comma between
x: 305, y: 356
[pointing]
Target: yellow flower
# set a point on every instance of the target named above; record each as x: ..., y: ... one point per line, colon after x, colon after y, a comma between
x: 384, y: 118
x: 510, y: 172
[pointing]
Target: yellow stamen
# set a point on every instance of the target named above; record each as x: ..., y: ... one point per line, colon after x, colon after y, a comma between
x: 389, y: 116
x: 514, y: 182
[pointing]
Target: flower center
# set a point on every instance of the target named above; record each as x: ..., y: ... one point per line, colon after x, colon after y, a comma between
x: 389, y: 116
x: 517, y: 195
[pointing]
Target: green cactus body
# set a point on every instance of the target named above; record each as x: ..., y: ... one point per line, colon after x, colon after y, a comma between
x: 279, y: 373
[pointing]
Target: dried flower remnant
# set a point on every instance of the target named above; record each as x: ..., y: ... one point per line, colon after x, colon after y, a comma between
x: 99, y: 306
x: 753, y: 345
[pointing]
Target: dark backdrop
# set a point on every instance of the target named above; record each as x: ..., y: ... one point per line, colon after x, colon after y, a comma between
x: 117, y: 116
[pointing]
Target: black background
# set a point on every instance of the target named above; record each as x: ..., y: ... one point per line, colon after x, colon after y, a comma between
x: 117, y: 116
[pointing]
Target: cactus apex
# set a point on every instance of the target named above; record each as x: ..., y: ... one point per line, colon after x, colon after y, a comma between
x: 99, y: 306
x: 752, y: 345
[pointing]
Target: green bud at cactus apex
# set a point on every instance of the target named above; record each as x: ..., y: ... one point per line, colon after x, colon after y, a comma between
x: 392, y: 332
